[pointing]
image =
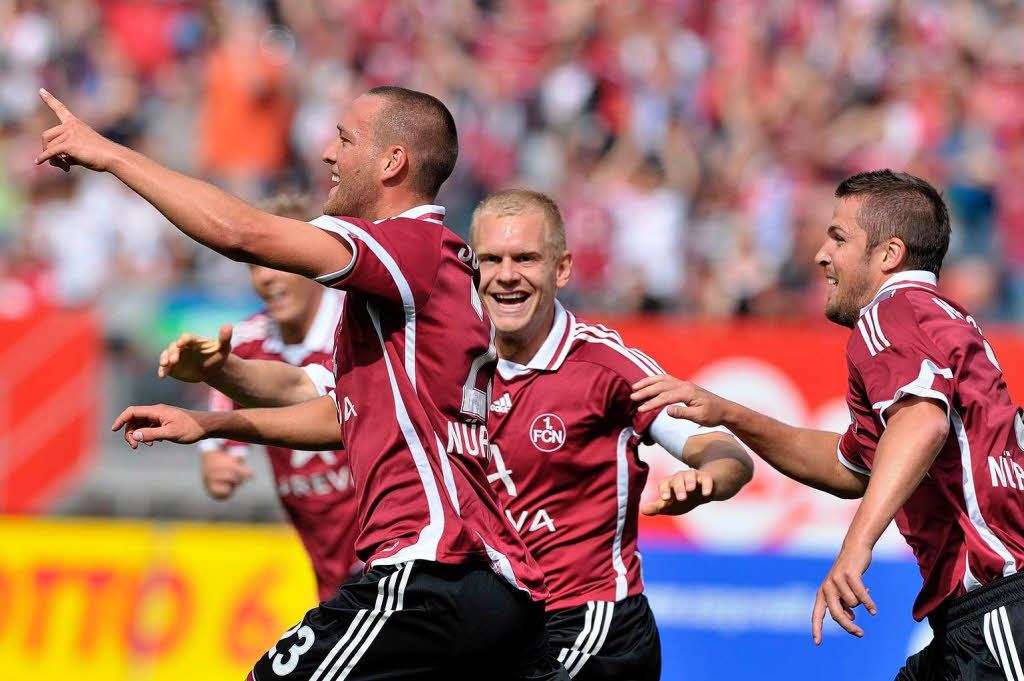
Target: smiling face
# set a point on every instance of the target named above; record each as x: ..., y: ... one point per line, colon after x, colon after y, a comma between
x: 853, y: 272
x: 291, y: 299
x: 353, y: 158
x: 519, y: 276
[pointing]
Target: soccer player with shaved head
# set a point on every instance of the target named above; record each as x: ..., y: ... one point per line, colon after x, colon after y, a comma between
x: 936, y: 443
x: 449, y: 590
x: 563, y: 435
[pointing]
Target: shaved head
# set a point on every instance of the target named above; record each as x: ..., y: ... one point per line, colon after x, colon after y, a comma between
x: 425, y: 127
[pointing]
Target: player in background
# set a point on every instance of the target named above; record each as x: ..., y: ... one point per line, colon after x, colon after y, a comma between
x: 563, y: 435
x: 449, y: 590
x: 297, y: 326
x: 935, y: 442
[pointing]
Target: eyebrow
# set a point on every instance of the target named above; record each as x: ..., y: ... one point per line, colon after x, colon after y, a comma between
x: 342, y: 131
x: 835, y: 229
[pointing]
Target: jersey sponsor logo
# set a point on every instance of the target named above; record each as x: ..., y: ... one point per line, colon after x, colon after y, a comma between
x: 1006, y: 472
x: 538, y: 521
x: 547, y: 432
x: 301, y: 458
x: 502, y: 404
x: 350, y: 409
x: 315, y: 484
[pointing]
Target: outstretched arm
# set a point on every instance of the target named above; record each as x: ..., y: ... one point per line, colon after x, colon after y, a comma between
x: 210, y: 216
x: 312, y: 425
x: 808, y: 456
x: 914, y: 434
x: 249, y: 382
x: 719, y: 468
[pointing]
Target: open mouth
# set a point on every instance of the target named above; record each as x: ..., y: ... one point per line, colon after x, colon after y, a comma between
x: 831, y: 281
x: 510, y: 301
x: 335, y: 178
x: 274, y: 296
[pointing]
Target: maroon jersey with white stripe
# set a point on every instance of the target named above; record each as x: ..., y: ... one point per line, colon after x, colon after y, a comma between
x: 315, y: 488
x: 414, y: 358
x: 965, y: 521
x: 564, y: 435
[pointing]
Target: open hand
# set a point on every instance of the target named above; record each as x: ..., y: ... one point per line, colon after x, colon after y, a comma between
x: 684, y: 400
x: 842, y: 591
x: 72, y: 142
x: 223, y: 472
x: 681, y: 493
x: 193, y: 358
x: 159, y: 422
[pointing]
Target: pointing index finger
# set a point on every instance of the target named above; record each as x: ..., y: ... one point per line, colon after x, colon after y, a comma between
x: 62, y: 112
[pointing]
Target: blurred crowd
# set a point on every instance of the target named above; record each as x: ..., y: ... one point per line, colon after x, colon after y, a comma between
x: 692, y: 144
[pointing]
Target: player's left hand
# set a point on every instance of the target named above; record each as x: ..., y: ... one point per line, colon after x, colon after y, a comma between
x: 842, y: 591
x: 681, y: 493
x: 72, y: 142
x: 159, y: 422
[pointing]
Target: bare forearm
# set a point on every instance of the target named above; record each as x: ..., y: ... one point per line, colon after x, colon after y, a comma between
x: 906, y: 450
x: 721, y: 456
x: 312, y: 425
x: 805, y: 455
x: 262, y: 383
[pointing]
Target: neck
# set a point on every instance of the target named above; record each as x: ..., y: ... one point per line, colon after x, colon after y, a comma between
x: 390, y: 206
x: 522, y: 346
x: 295, y: 331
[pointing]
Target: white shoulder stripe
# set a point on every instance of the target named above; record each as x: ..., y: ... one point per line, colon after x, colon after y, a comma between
x: 878, y: 327
x: 609, y: 335
x: 864, y: 334
x: 641, y: 364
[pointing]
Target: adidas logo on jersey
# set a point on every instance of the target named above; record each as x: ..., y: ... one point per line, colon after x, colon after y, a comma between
x: 502, y: 404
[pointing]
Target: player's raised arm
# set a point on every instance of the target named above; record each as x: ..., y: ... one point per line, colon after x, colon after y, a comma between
x: 808, y: 456
x: 249, y: 382
x: 312, y: 425
x: 212, y: 217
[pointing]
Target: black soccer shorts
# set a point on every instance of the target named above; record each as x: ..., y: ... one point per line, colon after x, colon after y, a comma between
x: 605, y: 641
x: 419, y: 620
x: 978, y: 637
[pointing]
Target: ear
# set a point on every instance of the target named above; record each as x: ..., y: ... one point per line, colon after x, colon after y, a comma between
x: 894, y: 255
x: 395, y: 162
x: 564, y: 270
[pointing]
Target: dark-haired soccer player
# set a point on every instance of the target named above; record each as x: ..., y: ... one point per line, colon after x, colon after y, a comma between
x: 935, y: 441
x: 563, y: 435
x: 450, y: 591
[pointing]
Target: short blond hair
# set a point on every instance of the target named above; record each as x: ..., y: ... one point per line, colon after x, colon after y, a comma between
x: 513, y: 202
x: 295, y: 206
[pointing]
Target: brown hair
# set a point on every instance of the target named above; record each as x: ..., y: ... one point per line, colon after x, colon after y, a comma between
x: 902, y: 206
x: 426, y: 125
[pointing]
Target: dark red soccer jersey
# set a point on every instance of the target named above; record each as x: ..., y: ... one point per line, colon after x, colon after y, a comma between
x: 315, y: 488
x: 965, y: 521
x: 564, y: 435
x: 414, y: 358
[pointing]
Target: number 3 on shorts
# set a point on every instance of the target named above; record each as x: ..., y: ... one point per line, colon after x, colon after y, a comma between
x: 283, y: 665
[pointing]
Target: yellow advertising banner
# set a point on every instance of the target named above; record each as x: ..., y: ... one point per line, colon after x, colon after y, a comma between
x: 136, y: 601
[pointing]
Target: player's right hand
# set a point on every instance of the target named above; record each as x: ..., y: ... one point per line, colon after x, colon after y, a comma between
x: 159, y: 422
x: 684, y: 400
x: 223, y: 472
x: 193, y: 358
x: 73, y: 143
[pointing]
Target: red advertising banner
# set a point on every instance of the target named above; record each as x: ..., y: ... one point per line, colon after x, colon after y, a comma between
x: 51, y: 394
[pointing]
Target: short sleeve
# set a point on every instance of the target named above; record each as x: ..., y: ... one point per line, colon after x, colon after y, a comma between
x: 390, y: 259
x: 850, y: 450
x: 893, y: 352
x: 322, y: 378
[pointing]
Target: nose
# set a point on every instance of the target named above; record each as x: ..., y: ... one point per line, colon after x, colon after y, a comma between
x: 822, y: 257
x: 330, y: 155
x: 507, y: 273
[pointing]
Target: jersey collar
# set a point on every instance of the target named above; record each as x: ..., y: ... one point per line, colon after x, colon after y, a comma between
x: 427, y: 212
x: 319, y: 338
x: 907, y: 279
x: 552, y: 353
